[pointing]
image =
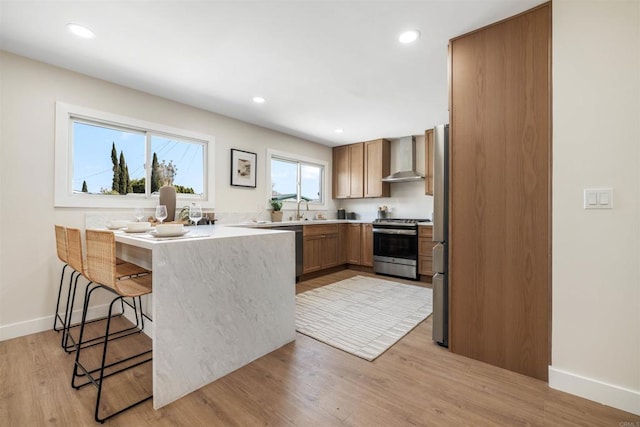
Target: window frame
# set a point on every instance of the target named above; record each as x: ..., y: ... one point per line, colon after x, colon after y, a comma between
x: 295, y: 158
x: 63, y: 158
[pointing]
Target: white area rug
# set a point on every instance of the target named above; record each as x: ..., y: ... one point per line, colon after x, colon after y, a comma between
x: 362, y: 315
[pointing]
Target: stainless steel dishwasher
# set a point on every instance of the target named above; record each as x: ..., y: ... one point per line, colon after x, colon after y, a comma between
x: 297, y: 229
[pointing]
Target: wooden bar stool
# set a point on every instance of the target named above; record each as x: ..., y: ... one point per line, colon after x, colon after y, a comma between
x: 75, y: 259
x: 61, y: 251
x: 101, y: 270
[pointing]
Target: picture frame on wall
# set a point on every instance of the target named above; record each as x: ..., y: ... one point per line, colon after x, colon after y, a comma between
x: 243, y: 168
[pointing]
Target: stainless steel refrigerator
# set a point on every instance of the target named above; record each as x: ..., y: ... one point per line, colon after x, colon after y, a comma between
x: 441, y: 235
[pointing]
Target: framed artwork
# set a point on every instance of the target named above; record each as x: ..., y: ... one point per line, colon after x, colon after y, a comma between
x: 243, y: 168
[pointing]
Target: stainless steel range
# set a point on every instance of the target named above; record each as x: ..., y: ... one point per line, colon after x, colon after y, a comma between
x: 395, y: 247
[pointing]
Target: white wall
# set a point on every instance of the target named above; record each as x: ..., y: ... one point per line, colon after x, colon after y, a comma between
x: 29, y: 270
x: 596, y: 253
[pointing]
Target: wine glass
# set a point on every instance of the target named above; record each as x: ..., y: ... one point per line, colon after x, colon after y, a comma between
x: 138, y: 213
x: 161, y: 213
x: 195, y: 213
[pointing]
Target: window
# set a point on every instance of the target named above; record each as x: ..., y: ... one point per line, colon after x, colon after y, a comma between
x: 103, y: 160
x: 296, y: 178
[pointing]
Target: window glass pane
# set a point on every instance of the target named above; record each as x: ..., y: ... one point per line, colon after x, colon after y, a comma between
x: 107, y: 160
x: 311, y: 182
x: 284, y: 178
x: 177, y: 162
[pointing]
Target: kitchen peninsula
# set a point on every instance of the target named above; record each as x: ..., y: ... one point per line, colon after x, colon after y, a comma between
x: 222, y: 297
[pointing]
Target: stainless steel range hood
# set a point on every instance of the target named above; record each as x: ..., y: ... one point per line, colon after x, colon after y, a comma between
x: 405, y: 151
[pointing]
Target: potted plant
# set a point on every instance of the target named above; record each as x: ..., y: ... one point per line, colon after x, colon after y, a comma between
x: 276, y: 214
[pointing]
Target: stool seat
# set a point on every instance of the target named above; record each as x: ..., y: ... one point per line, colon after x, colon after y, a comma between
x: 135, y: 286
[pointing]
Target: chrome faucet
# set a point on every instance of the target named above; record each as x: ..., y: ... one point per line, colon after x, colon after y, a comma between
x: 298, y: 216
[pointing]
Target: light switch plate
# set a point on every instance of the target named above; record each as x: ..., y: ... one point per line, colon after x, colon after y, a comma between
x: 598, y: 198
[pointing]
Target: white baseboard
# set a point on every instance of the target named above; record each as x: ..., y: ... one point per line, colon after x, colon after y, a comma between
x: 42, y: 324
x: 607, y: 394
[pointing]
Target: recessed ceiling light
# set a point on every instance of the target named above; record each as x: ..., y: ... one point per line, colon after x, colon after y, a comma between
x: 409, y: 36
x: 339, y: 130
x: 258, y: 99
x: 81, y: 31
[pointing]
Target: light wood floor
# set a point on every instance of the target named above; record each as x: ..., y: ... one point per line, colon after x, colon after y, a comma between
x: 305, y: 383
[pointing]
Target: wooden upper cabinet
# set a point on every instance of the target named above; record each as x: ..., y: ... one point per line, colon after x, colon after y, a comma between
x: 377, y: 165
x: 428, y: 162
x: 341, y: 172
x: 356, y: 167
x: 348, y: 169
x: 358, y: 170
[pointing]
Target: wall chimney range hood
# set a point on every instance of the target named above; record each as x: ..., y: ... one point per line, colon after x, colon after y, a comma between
x: 405, y: 154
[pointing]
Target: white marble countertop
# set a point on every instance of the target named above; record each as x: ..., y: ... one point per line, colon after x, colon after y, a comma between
x: 148, y: 241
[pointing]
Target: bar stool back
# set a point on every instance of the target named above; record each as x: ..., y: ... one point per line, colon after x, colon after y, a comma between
x: 61, y: 251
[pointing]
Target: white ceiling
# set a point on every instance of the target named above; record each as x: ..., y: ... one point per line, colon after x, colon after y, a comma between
x: 321, y: 65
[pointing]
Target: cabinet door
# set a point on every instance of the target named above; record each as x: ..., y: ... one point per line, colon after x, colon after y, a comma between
x: 329, y: 250
x: 428, y: 162
x: 425, y: 255
x: 312, y: 253
x: 356, y: 168
x: 353, y: 248
x: 377, y: 165
x: 366, y: 249
x: 341, y: 173
x: 343, y: 243
x: 500, y: 223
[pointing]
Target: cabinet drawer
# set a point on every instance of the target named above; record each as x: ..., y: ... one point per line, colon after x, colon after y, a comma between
x: 425, y: 231
x: 316, y: 230
x: 425, y: 247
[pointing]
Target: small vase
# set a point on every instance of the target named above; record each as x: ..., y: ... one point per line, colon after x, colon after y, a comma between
x: 168, y: 198
x: 276, y: 216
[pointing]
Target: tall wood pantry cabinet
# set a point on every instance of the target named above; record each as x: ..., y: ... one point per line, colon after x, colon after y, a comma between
x: 499, y: 223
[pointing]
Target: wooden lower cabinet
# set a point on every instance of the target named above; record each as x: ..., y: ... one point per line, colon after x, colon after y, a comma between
x: 320, y: 247
x: 354, y: 239
x: 312, y: 257
x: 366, y: 247
x: 425, y: 250
x: 343, y: 243
x: 326, y: 246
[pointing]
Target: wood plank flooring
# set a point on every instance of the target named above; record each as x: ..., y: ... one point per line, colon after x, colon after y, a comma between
x: 305, y: 383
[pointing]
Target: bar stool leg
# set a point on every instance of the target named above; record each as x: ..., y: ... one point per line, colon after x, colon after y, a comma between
x: 57, y: 316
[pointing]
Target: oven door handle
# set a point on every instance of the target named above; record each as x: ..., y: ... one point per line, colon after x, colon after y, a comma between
x: 402, y: 232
